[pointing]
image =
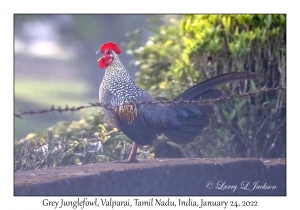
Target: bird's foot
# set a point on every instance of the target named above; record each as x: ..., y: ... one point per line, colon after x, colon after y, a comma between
x: 132, y: 156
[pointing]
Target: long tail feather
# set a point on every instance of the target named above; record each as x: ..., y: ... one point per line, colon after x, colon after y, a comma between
x: 197, y: 90
x: 195, y: 118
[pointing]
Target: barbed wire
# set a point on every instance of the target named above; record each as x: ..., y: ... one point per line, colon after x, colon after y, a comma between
x: 110, y: 107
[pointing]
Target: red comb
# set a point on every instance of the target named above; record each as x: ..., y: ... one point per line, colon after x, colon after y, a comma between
x: 110, y: 46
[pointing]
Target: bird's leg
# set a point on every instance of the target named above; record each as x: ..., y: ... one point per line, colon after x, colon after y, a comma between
x: 132, y: 156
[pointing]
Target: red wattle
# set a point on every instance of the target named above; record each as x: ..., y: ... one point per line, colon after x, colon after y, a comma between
x: 101, y: 63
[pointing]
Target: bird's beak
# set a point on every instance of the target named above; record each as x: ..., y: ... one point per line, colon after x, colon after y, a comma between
x: 97, y: 51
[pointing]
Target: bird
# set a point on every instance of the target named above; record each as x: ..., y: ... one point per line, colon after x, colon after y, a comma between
x: 179, y: 122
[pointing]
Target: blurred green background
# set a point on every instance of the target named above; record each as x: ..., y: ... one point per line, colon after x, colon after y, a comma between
x: 55, y: 62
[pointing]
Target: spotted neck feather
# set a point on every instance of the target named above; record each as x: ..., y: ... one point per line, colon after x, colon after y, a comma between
x: 118, y: 81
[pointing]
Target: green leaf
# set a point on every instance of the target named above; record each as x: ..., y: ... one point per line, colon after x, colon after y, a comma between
x: 226, y: 114
x: 102, y: 128
x: 265, y: 103
x: 241, y: 122
x: 232, y: 48
x: 253, y: 86
x: 232, y: 114
x: 173, y: 144
x: 118, y: 147
x: 239, y: 105
x: 122, y: 137
x: 282, y: 19
x: 268, y: 21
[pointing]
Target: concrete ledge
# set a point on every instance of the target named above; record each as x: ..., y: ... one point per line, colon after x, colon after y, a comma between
x: 224, y: 176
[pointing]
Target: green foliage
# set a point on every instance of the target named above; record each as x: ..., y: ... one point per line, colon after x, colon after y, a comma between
x: 187, y: 51
x: 88, y: 140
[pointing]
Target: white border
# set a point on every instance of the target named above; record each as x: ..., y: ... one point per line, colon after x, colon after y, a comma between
x: 153, y: 6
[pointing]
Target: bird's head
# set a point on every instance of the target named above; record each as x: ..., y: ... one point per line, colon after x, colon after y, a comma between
x: 107, y: 50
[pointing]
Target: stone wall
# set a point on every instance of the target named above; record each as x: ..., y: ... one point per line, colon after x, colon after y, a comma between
x: 201, y: 176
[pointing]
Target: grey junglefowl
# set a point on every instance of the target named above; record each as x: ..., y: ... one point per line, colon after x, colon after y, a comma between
x: 141, y: 123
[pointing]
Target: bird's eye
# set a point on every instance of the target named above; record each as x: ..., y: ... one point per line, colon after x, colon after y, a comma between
x: 107, y: 52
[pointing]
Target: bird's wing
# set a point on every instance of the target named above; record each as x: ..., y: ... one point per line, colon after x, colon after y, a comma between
x: 142, y: 121
x: 157, y: 117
